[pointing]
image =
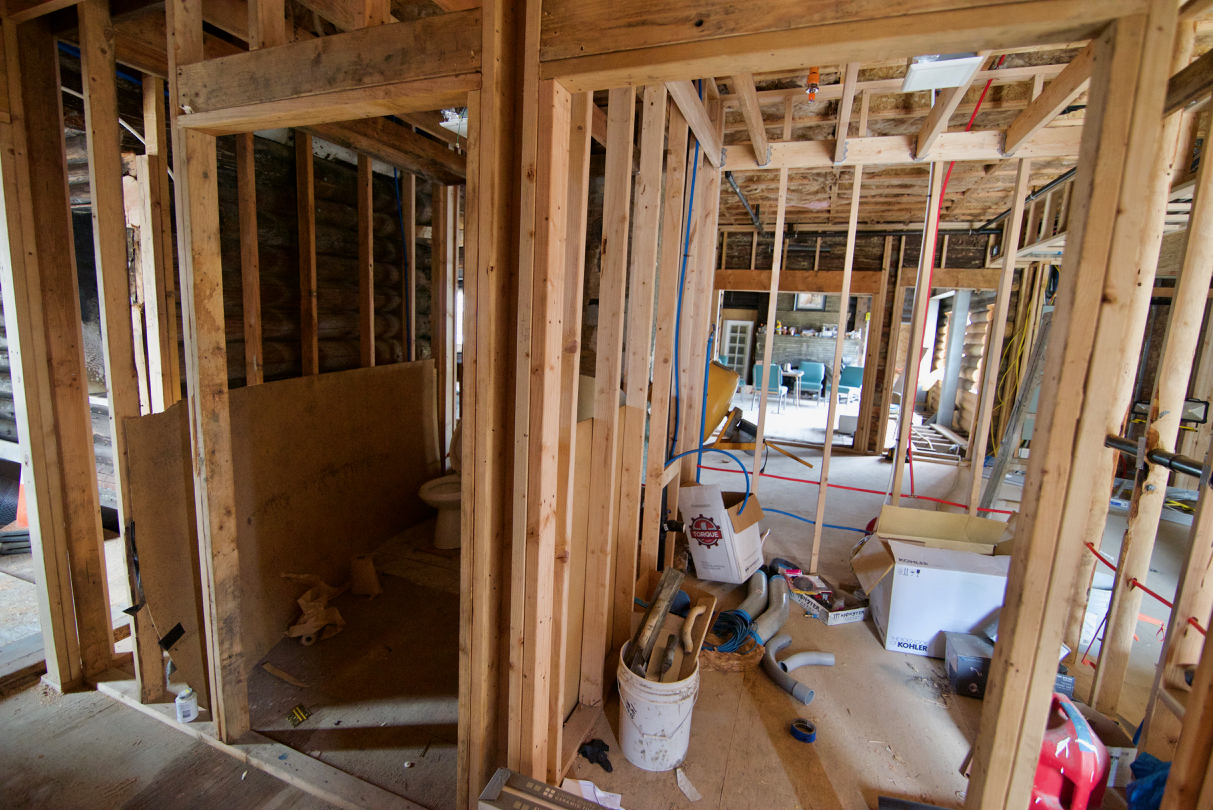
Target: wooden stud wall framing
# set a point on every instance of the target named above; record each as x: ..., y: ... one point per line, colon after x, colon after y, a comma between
x: 408, y: 299
x: 621, y: 113
x: 156, y: 252
x: 366, y: 265
x: 443, y: 268
x: 196, y: 183
x: 1119, y: 143
x: 305, y: 190
x: 109, y: 239
x: 526, y: 75
x: 646, y: 220
x: 250, y: 262
x: 672, y: 220
x: 1168, y: 162
x: 990, y: 362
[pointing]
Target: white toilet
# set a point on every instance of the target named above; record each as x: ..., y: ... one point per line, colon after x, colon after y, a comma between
x: 444, y: 495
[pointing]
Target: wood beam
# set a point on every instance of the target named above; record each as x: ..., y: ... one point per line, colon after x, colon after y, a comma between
x: 646, y: 220
x: 366, y: 263
x: 914, y: 347
x: 672, y: 223
x: 637, y: 42
x: 621, y: 115
x: 41, y: 296
x: 1088, y: 338
x: 693, y: 110
x: 941, y: 113
x: 1168, y: 161
x: 266, y: 23
x: 1191, y: 84
x: 842, y: 130
x: 408, y: 298
x: 772, y: 300
x: 22, y: 11
x: 1149, y: 492
x: 747, y: 95
x: 250, y: 259
x: 419, y: 65
x: 598, y: 124
x: 444, y: 269
x: 848, y: 262
x: 982, y: 146
x: 305, y: 191
x: 396, y: 146
x: 576, y: 220
x: 155, y: 251
x: 1072, y: 82
x: 998, y: 328
x: 196, y: 177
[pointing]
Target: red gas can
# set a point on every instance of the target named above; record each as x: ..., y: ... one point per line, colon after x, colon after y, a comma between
x: 1073, y: 767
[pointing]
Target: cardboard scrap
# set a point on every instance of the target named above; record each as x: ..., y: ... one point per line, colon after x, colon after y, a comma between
x: 684, y: 784
x: 317, y: 619
x: 588, y: 790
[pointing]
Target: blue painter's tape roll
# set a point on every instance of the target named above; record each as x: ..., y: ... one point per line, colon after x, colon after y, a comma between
x: 804, y: 730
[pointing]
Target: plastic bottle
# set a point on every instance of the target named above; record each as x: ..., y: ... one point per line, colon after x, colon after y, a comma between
x: 187, y: 706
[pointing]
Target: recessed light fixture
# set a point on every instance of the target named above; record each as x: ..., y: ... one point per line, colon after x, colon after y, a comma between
x: 940, y: 70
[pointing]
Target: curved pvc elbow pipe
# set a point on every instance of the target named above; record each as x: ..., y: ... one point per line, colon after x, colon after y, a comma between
x: 786, y: 682
x: 756, y: 598
x: 807, y: 659
x: 776, y: 615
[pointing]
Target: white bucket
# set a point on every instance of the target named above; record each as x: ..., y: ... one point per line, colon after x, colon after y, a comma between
x: 655, y: 719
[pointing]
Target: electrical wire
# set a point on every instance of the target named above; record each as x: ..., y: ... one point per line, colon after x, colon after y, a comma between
x: 813, y: 523
x: 744, y: 471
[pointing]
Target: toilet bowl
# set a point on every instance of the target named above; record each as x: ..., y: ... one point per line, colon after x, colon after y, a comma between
x: 443, y: 494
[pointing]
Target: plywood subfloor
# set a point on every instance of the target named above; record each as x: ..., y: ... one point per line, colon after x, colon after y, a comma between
x: 86, y: 750
x: 383, y: 693
x: 887, y: 723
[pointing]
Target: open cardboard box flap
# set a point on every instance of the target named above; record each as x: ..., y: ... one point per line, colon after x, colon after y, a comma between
x: 942, y: 530
x: 741, y: 519
x: 945, y: 530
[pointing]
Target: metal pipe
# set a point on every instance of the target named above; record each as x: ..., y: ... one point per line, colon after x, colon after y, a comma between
x: 1172, y: 461
x: 1045, y: 189
x: 753, y: 216
x: 983, y: 231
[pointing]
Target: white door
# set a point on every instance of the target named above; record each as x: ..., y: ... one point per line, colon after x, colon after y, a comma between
x: 736, y: 345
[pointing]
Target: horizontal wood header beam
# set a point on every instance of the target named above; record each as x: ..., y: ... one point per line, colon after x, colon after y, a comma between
x: 1190, y: 84
x: 1048, y: 105
x: 595, y: 45
x: 396, y: 146
x: 862, y: 282
x: 410, y: 66
x: 889, y: 150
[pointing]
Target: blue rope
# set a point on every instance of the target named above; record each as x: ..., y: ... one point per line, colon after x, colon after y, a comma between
x: 806, y: 520
x: 701, y: 449
x: 736, y: 628
x: 72, y: 50
x: 404, y: 247
x: 682, y: 279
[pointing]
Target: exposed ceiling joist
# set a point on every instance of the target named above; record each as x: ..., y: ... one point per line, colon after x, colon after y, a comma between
x: 688, y: 101
x: 937, y: 120
x: 743, y: 83
x: 1052, y: 101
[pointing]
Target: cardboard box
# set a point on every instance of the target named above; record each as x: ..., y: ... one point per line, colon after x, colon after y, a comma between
x: 1121, y: 751
x: 724, y: 538
x: 825, y: 605
x: 967, y: 658
x: 945, y: 573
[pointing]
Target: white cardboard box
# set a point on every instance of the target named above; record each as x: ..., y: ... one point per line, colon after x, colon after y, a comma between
x: 927, y: 573
x: 723, y: 537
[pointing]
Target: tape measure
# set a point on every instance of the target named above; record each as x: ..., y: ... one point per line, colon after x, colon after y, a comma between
x: 804, y: 730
